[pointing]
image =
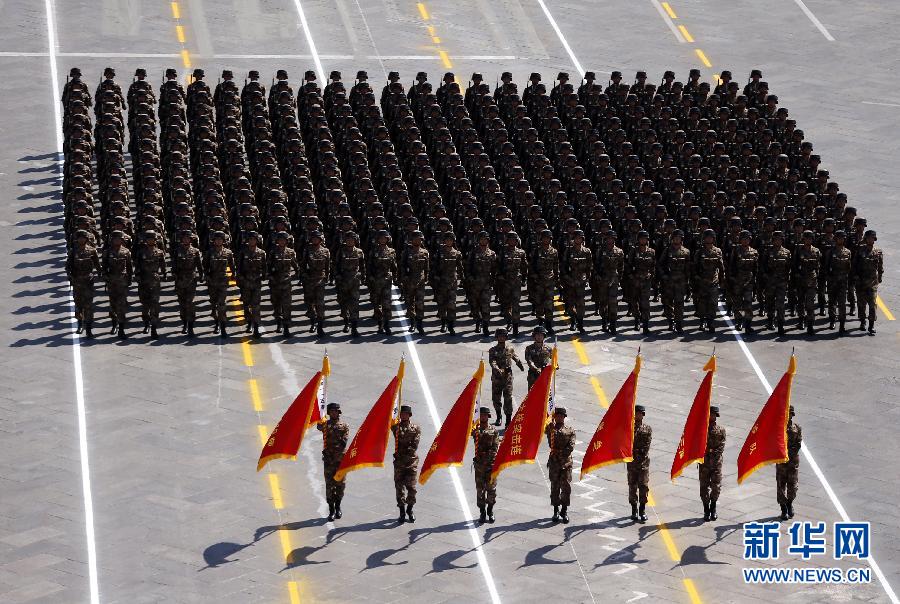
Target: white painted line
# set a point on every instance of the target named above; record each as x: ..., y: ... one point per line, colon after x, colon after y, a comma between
x: 562, y: 38
x: 24, y: 54
x: 304, y: 57
x: 196, y: 56
x: 665, y: 17
x: 122, y: 55
x: 808, y: 456
x: 309, y: 40
x: 814, y: 20
x: 76, y: 340
x: 454, y: 474
x: 881, y: 104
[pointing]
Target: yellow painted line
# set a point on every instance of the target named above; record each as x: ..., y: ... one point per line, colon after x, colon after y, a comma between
x: 248, y: 354
x: 687, y: 35
x: 669, y: 10
x: 445, y: 59
x: 263, y: 434
x: 186, y: 58
x: 179, y: 31
x: 887, y: 311
x: 702, y: 57
x: 286, y: 547
x: 692, y: 591
x: 435, y: 39
x: 294, y: 592
x: 176, y: 11
x: 423, y: 11
x: 254, y: 395
x: 598, y: 390
x: 670, y: 544
x: 276, y: 491
x: 431, y: 30
x: 582, y: 353
x: 650, y: 500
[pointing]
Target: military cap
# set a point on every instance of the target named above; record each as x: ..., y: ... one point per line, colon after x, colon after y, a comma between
x: 562, y: 75
x: 351, y: 234
x: 678, y: 233
x: 506, y: 75
x: 512, y: 235
x: 590, y: 76
x: 477, y: 77
x: 639, y: 75
x: 416, y: 234
x: 612, y: 234
x: 199, y: 73
x: 279, y: 235
x: 501, y: 332
x: 560, y: 411
x: 615, y: 75
x: 777, y: 235
x: 149, y: 234
x: 185, y: 233
x: 535, y: 77
x: 713, y: 410
x: 109, y: 72
x: 484, y: 411
x: 253, y: 74
x: 81, y: 233
x: 315, y: 234
x: 745, y: 234
x: 578, y: 233
x: 117, y: 235
x: 639, y: 409
x: 421, y: 76
x: 449, y: 76
x: 252, y: 235
x: 74, y: 73
x: 333, y: 407
x: 449, y: 235
x: 870, y: 233
x: 546, y: 233
x: 755, y: 73
x: 392, y: 76
x: 140, y: 72
x: 360, y: 75
x: 335, y: 75
x: 171, y: 73
x: 694, y: 72
x: 668, y: 74
x: 405, y: 409
x: 227, y: 74
x: 381, y: 233
x: 539, y: 329
x: 807, y: 234
x: 309, y: 75
x: 643, y: 234
x: 840, y: 233
x: 483, y: 235
x: 709, y: 233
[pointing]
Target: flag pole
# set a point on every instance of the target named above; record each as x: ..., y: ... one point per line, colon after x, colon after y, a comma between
x: 323, y: 400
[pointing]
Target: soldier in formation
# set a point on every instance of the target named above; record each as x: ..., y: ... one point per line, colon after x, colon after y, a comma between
x: 501, y: 358
x: 335, y: 435
x: 487, y: 441
x: 639, y: 468
x: 406, y: 462
x: 561, y: 439
x: 710, y: 469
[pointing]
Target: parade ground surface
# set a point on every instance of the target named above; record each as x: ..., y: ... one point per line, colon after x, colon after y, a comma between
x: 128, y: 468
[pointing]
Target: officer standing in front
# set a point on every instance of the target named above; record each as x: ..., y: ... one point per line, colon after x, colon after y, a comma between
x: 501, y: 357
x: 639, y: 467
x: 787, y: 473
x: 561, y: 439
x: 487, y: 442
x: 711, y: 467
x: 335, y: 434
x: 406, y: 462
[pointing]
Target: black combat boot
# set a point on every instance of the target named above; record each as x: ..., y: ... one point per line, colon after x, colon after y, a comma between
x: 581, y: 326
x: 153, y: 333
x: 711, y: 326
x: 515, y: 327
x: 809, y: 327
x: 871, y: 327
x: 679, y: 328
x: 122, y: 333
x: 563, y: 514
x: 484, y: 328
x: 831, y: 322
x: 482, y: 518
x: 346, y: 325
x: 477, y: 325
x: 450, y: 328
x: 387, y: 328
x: 222, y: 330
x: 637, y: 324
x: 646, y: 328
x: 642, y: 516
x: 312, y: 325
x: 248, y: 327
x: 784, y: 511
x: 320, y: 329
x: 330, y: 511
x: 712, y: 510
x: 497, y: 411
x: 555, y: 513
x: 604, y: 326
x: 490, y: 513
x: 354, y: 329
x: 612, y: 327
x: 634, y: 512
x: 190, y: 329
x: 862, y: 324
x: 78, y: 326
x: 277, y: 325
x: 781, y: 328
x: 88, y: 334
x: 287, y: 330
x: 769, y: 324
x: 256, y: 330
x: 706, y: 510
x: 790, y: 509
x: 409, y: 513
x: 402, y: 517
x: 147, y: 326
x: 548, y: 323
x: 508, y: 419
x: 841, y: 329
x: 748, y: 328
x: 419, y: 327
x: 801, y: 323
x: 337, y: 510
x: 115, y: 328
x: 215, y: 326
x: 443, y: 325
x: 412, y: 326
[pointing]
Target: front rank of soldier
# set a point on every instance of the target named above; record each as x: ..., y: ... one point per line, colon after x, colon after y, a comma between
x: 406, y: 462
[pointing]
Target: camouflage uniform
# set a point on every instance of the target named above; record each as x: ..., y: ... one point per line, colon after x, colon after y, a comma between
x: 118, y: 269
x: 501, y: 358
x: 639, y: 468
x: 446, y: 271
x: 577, y: 267
x: 82, y: 266
x: 710, y: 270
x: 675, y: 272
x: 406, y: 462
x: 513, y: 265
x: 217, y: 265
x: 610, y: 265
x: 806, y: 269
x: 641, y: 268
x: 787, y: 473
x: 251, y: 271
x: 382, y: 272
x: 559, y: 464
x: 335, y: 434
x: 868, y: 269
x: 480, y: 278
x: 283, y: 267
x: 711, y: 468
x: 487, y: 441
x: 349, y: 274
x: 742, y: 273
x: 777, y: 267
x: 186, y: 267
x: 151, y: 269
x: 413, y: 267
x: 537, y: 356
x: 544, y: 277
x: 315, y: 267
x: 838, y: 266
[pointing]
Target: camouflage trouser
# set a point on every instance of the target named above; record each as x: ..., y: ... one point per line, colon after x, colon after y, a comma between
x: 480, y: 292
x: 851, y: 298
x: 445, y: 300
x: 405, y: 484
x: 837, y: 298
x: 786, y: 476
x: 502, y: 387
x: 640, y: 298
x: 532, y: 377
x: 866, y: 297
x: 607, y: 297
x: 251, y: 296
x: 707, y: 300
x: 217, y: 294
x: 821, y: 288
x: 638, y: 483
x: 710, y: 481
x: 806, y: 300
x: 348, y: 297
x: 414, y: 297
x: 673, y: 293
x: 742, y: 301
x: 83, y: 295
x: 485, y: 488
x: 148, y: 292
x: 334, y: 489
x: 282, y: 298
x: 560, y: 482
x: 577, y: 294
x: 511, y: 299
x: 543, y: 291
x: 775, y: 300
x: 118, y: 299
x: 314, y: 298
x: 185, y: 290
x: 380, y: 293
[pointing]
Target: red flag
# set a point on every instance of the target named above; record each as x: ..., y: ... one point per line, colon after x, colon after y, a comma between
x: 692, y: 447
x: 303, y: 413
x: 767, y: 441
x: 449, y: 446
x: 614, y: 438
x: 368, y: 447
x: 523, y: 436
x: 316, y: 415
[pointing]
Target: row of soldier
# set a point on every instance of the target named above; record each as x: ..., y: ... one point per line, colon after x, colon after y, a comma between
x: 561, y: 439
x: 566, y: 223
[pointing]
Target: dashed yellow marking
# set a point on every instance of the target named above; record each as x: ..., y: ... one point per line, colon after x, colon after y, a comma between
x: 435, y: 39
x: 692, y: 591
x: 598, y: 390
x: 176, y: 11
x: 276, y: 491
x: 263, y: 434
x: 248, y: 354
x: 702, y: 57
x: 670, y: 544
x: 445, y: 59
x: 254, y: 394
x: 431, y: 30
x: 286, y: 547
x: 294, y: 592
x: 423, y: 11
x: 684, y: 32
x: 669, y: 10
x: 582, y: 353
x: 179, y: 31
x: 887, y: 312
x: 186, y: 58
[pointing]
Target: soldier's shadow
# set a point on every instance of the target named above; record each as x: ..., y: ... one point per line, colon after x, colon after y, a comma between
x: 498, y: 531
x: 539, y: 556
x: 698, y: 554
x: 421, y: 533
x: 338, y: 532
x: 300, y: 557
